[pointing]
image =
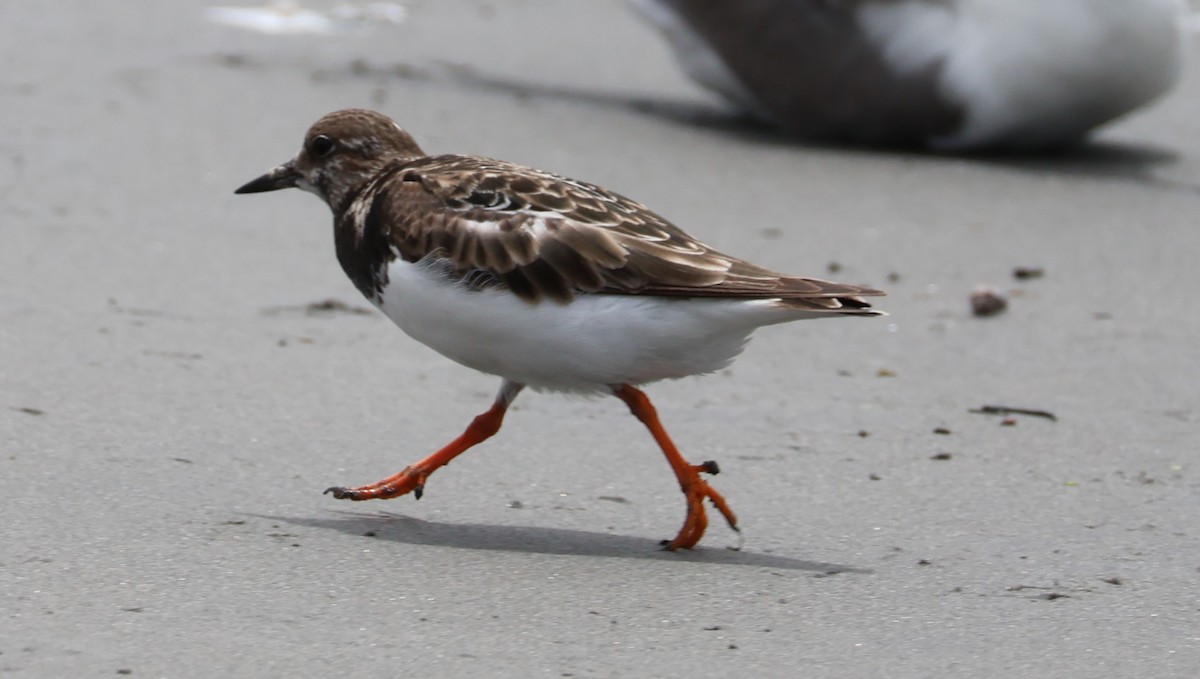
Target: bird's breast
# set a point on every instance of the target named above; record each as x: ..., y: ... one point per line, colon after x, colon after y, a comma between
x: 363, y: 247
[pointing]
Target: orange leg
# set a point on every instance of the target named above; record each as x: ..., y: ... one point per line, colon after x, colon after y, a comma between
x: 694, y: 488
x: 412, y: 478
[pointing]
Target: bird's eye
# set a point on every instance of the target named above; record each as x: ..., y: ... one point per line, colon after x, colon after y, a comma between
x: 320, y: 146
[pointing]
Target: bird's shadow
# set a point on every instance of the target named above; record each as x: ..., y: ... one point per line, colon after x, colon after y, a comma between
x: 1097, y: 158
x: 538, y: 540
x: 1090, y: 158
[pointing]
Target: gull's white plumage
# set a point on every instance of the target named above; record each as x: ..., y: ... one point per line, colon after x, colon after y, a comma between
x: 1036, y: 73
x: 1023, y: 73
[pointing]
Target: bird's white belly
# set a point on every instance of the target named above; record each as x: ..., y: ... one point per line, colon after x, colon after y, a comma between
x: 594, y: 341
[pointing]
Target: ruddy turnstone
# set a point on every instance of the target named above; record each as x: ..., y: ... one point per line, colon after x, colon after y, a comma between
x: 948, y: 74
x: 541, y: 280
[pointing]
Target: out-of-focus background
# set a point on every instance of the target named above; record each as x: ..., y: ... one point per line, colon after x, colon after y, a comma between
x: 182, y: 371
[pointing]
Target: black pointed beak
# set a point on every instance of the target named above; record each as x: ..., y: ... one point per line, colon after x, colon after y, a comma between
x: 283, y: 177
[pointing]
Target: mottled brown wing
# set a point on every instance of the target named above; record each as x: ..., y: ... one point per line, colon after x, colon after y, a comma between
x: 545, y: 236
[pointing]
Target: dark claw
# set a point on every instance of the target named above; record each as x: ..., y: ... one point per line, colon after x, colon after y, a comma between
x: 711, y: 467
x: 339, y: 492
x: 419, y: 491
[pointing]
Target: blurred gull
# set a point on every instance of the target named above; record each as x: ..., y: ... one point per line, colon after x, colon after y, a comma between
x: 947, y: 74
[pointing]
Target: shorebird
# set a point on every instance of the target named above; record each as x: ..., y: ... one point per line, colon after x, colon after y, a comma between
x: 954, y: 75
x: 541, y: 280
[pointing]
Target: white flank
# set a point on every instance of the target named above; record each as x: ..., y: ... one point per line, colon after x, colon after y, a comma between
x: 1035, y: 72
x: 1191, y: 22
x: 594, y: 341
x: 912, y: 35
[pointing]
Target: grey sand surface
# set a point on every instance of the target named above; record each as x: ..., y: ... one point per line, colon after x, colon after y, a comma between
x: 171, y: 407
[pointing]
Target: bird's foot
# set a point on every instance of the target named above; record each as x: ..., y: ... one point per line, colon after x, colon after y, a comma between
x: 411, y: 480
x: 696, y: 490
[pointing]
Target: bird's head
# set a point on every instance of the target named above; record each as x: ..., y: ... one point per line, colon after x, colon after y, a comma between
x: 342, y: 151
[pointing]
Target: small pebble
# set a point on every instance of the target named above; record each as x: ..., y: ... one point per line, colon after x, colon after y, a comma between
x: 987, y: 301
